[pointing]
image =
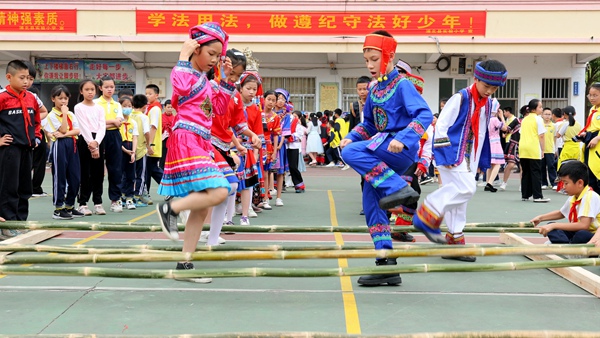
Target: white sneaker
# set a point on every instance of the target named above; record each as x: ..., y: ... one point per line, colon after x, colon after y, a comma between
x: 252, y: 213
x: 116, y: 206
x: 541, y: 200
x: 129, y: 204
x: 497, y: 183
x: 330, y: 165
x: 278, y: 202
x: 544, y: 187
x: 267, y: 206
x: 502, y: 186
x: 273, y: 192
x: 346, y: 167
x: 99, y: 210
x: 204, y: 238
x: 238, y: 209
x: 244, y: 220
x: 85, y: 210
x: 481, y: 184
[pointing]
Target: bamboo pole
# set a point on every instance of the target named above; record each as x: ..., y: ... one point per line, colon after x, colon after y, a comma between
x: 466, y: 334
x: 157, y: 256
x: 286, y: 272
x: 129, y: 227
x: 116, y: 249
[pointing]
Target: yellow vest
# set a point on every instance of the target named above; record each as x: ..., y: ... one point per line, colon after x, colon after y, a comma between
x: 157, y: 147
x: 127, y: 130
x: 111, y: 109
x: 141, y: 149
x: 549, y: 138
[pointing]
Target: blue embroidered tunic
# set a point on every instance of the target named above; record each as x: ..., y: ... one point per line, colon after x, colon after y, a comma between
x: 395, y: 109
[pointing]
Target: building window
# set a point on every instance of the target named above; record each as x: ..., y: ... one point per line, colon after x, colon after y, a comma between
x: 349, y: 94
x: 449, y: 87
x: 302, y: 90
x: 555, y: 93
x: 508, y: 96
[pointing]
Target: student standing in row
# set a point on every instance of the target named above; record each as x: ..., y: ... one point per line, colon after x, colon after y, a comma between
x: 66, y: 173
x: 154, y: 113
x: 20, y: 132
x: 129, y: 133
x: 112, y: 141
x: 92, y: 124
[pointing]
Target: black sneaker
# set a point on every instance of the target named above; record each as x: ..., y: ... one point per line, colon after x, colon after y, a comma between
x: 61, y: 214
x: 426, y: 179
x: 168, y: 220
x: 74, y: 213
x: 393, y: 279
x: 190, y: 266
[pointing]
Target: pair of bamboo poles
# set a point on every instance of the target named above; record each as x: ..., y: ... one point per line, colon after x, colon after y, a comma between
x: 162, y: 253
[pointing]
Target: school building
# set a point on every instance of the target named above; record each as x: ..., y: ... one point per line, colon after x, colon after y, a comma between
x: 314, y: 48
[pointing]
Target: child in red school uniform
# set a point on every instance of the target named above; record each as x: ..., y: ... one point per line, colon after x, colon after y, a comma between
x: 20, y: 132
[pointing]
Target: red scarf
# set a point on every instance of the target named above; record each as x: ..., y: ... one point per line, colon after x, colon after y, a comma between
x: 126, y: 124
x: 589, y: 120
x: 152, y: 105
x: 70, y: 124
x: 479, y: 103
x: 573, y: 211
x: 26, y: 117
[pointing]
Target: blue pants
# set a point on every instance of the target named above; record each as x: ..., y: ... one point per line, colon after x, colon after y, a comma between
x: 66, y: 173
x: 114, y: 162
x: 128, y: 179
x: 140, y: 176
x: 380, y: 170
x: 570, y: 237
x: 549, y: 170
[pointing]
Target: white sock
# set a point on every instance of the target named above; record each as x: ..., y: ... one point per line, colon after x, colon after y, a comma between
x: 231, y: 204
x: 216, y: 223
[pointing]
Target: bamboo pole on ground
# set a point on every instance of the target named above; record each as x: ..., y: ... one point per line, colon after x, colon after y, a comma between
x: 129, y: 227
x: 287, y: 272
x: 466, y: 334
x: 158, y: 256
x: 146, y: 248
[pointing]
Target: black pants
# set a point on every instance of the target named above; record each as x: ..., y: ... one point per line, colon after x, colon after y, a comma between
x: 531, y: 180
x: 128, y: 180
x: 333, y: 155
x: 92, y: 173
x: 114, y: 160
x: 164, y: 154
x: 39, y: 166
x: 293, y: 158
x: 153, y: 171
x: 15, y: 182
x: 66, y: 174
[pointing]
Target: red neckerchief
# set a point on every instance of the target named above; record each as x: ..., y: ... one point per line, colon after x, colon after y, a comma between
x: 589, y: 120
x: 479, y: 103
x: 573, y: 210
x: 126, y: 124
x: 167, y: 121
x: 70, y: 124
x: 152, y: 105
x: 26, y: 117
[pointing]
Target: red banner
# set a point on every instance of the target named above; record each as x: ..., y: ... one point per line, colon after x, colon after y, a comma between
x: 63, y: 21
x: 315, y: 23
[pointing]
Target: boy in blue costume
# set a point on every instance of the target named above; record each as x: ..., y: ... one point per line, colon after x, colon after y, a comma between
x: 385, y: 145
